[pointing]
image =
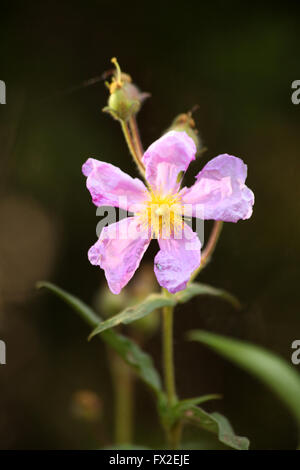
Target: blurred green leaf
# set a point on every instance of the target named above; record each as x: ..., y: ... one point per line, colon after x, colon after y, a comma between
x: 217, y: 424
x: 131, y: 353
x: 194, y: 289
x: 131, y: 314
x: 268, y: 367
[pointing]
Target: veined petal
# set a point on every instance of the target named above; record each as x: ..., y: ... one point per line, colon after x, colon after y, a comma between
x: 119, y: 251
x: 220, y: 192
x: 110, y: 186
x: 166, y: 158
x: 177, y: 260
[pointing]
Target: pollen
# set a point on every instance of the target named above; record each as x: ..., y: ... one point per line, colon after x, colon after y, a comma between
x: 162, y: 215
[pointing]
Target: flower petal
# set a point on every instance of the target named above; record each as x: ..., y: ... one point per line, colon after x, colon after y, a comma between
x: 119, y: 251
x: 110, y: 186
x: 220, y: 192
x: 166, y: 158
x: 177, y: 260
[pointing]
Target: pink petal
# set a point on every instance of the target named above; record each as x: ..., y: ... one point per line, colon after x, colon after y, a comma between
x: 166, y: 158
x: 177, y: 260
x: 119, y: 251
x: 110, y: 186
x: 220, y: 192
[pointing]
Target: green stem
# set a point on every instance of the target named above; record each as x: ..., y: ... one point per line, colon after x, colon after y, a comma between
x: 175, y: 434
x: 168, y: 354
x: 172, y: 434
x: 136, y: 137
x: 123, y: 398
x: 132, y: 147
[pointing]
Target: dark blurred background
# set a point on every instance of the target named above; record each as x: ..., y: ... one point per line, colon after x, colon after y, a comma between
x: 237, y: 63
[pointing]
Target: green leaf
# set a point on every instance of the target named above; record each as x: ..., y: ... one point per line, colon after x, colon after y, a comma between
x: 266, y: 366
x: 184, y: 405
x: 156, y: 301
x: 194, y: 289
x: 127, y: 349
x: 174, y: 413
x: 217, y: 424
x: 85, y: 312
x: 131, y: 314
x: 134, y: 356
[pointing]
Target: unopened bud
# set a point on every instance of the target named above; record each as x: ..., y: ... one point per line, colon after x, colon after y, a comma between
x: 125, y: 98
x: 185, y: 122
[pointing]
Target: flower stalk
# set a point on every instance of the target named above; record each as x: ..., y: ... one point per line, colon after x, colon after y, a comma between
x: 123, y: 397
x: 168, y: 353
x: 173, y: 433
x: 133, y: 148
x: 136, y: 137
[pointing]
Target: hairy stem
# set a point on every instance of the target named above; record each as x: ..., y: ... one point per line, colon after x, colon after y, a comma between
x: 132, y: 148
x: 136, y: 137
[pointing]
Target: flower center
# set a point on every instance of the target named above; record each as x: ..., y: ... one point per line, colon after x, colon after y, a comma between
x: 162, y: 214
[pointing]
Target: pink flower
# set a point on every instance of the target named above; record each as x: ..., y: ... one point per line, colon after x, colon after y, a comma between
x: 219, y: 191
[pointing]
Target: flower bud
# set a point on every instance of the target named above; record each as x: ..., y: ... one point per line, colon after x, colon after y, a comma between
x: 125, y: 98
x: 185, y: 122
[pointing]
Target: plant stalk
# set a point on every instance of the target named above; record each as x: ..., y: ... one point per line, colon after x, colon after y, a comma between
x: 172, y: 434
x: 168, y: 359
x: 132, y: 147
x: 136, y: 137
x: 123, y: 387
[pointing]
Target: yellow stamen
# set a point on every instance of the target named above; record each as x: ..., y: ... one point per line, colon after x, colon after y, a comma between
x: 162, y: 215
